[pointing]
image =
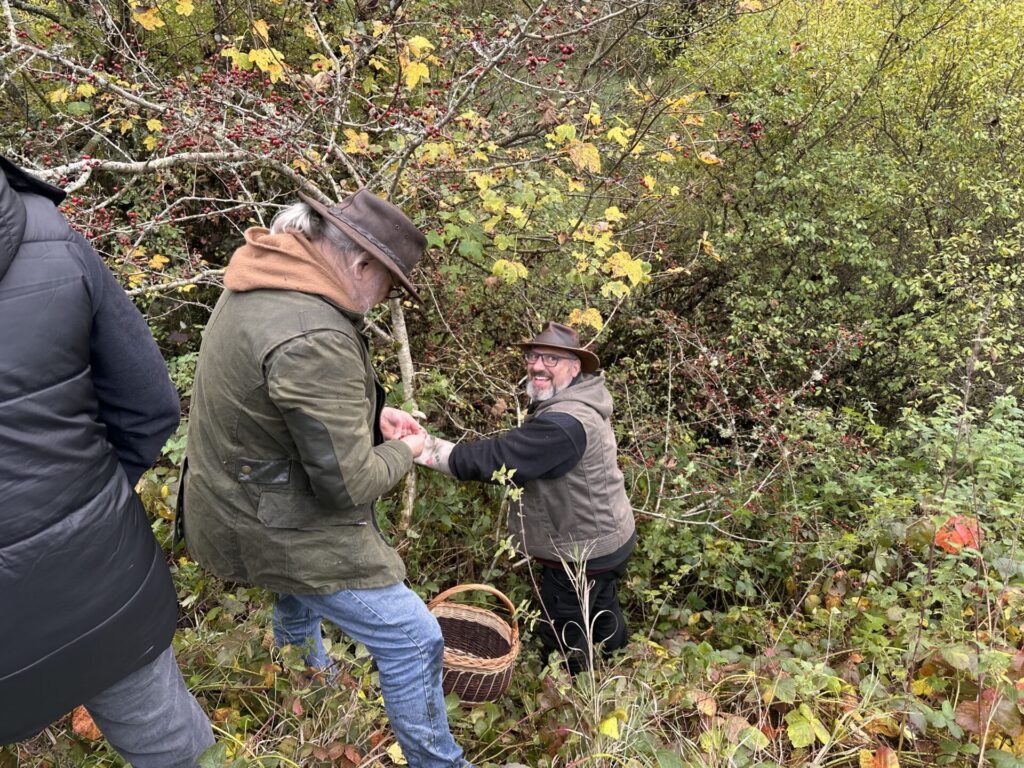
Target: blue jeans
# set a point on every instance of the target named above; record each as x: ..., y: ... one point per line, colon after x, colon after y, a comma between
x: 404, y: 639
x: 151, y: 718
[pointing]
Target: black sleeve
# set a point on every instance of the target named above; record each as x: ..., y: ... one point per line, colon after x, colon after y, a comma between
x: 137, y: 401
x: 543, y: 448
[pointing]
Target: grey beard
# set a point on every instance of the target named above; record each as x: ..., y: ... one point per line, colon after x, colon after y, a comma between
x: 537, y: 398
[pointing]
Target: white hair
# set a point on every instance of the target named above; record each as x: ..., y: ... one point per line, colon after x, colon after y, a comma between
x: 302, y: 219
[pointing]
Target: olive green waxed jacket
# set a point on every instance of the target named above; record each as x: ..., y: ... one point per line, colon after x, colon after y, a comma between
x: 285, y: 458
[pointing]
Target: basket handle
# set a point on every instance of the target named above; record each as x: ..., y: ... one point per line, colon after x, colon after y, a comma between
x: 475, y: 588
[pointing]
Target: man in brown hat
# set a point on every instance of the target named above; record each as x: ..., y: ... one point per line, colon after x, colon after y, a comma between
x: 573, y: 516
x: 290, y: 445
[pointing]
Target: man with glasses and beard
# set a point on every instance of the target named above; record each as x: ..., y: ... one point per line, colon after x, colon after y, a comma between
x: 573, y: 516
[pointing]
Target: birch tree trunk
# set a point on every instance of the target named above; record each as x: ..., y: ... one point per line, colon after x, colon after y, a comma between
x: 407, y: 371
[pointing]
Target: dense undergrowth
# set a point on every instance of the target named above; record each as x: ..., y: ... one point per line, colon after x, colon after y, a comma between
x: 793, y: 233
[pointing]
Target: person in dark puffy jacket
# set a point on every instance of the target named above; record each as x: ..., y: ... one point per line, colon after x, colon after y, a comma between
x: 87, y: 604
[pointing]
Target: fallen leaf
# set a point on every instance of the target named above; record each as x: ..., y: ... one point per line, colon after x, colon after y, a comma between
x: 83, y: 725
x: 395, y: 753
x: 957, y: 532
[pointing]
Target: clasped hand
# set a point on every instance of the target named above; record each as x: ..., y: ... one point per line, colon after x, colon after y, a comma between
x: 396, y: 424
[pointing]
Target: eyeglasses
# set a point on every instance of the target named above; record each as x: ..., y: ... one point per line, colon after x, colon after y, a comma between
x: 549, y: 360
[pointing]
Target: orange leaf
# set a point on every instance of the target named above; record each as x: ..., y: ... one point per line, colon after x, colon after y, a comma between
x: 82, y: 724
x: 957, y: 532
x: 885, y: 758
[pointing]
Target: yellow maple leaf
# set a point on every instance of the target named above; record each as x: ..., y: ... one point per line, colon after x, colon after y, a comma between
x: 321, y: 63
x: 239, y: 60
x: 300, y: 165
x: 615, y: 288
x: 414, y: 72
x: 125, y: 126
x: 269, y: 61
x: 358, y: 142
x: 150, y: 142
x: 509, y: 271
x: 684, y: 101
x: 418, y: 45
x: 709, y: 157
x: 749, y: 6
x: 620, y: 135
x: 85, y: 90
x: 696, y: 120
x: 158, y: 261
x: 58, y: 96
x: 149, y: 17
x: 665, y: 157
x: 310, y: 31
x: 650, y: 181
x: 585, y: 156
x: 184, y: 7
x: 154, y: 125
x: 613, y: 214
x: 262, y: 30
x: 590, y: 317
x: 621, y: 264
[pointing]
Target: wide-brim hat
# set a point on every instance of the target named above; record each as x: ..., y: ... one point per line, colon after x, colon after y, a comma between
x: 379, y: 228
x: 560, y: 336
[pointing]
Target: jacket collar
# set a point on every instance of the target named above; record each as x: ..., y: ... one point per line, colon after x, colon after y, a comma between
x: 14, y: 181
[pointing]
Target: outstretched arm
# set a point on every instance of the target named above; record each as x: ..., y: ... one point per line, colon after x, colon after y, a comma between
x: 435, y: 455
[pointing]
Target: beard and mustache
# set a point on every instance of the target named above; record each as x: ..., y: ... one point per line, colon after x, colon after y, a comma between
x: 539, y: 395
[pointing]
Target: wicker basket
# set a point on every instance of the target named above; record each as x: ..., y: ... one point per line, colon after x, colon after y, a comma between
x: 480, y: 647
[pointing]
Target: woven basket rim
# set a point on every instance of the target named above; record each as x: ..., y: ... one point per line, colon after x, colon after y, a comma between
x: 466, y: 662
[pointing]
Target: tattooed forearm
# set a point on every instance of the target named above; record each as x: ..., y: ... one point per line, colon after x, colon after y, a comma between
x: 435, y: 455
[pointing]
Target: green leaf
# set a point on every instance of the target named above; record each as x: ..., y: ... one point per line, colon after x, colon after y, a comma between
x: 78, y: 108
x: 960, y: 658
x: 800, y: 732
x: 754, y: 737
x: 668, y: 759
x: 471, y: 249
x: 215, y: 757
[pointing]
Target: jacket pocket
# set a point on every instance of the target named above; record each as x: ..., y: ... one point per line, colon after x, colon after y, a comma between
x: 302, y: 511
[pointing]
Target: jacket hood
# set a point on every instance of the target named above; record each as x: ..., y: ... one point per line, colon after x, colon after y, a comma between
x: 589, y: 389
x: 13, y: 181
x: 286, y: 262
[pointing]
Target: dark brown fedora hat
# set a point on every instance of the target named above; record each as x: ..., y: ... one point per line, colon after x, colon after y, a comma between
x: 379, y: 228
x: 561, y: 336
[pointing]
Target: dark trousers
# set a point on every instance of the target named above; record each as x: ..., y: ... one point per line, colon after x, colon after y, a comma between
x: 563, y: 627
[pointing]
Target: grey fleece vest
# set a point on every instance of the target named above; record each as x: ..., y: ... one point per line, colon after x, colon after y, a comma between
x: 585, y: 513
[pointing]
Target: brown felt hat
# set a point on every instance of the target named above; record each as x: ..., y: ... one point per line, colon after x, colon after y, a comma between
x: 379, y: 228
x: 561, y: 336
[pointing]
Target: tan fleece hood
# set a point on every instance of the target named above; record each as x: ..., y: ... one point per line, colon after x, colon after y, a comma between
x: 286, y: 262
